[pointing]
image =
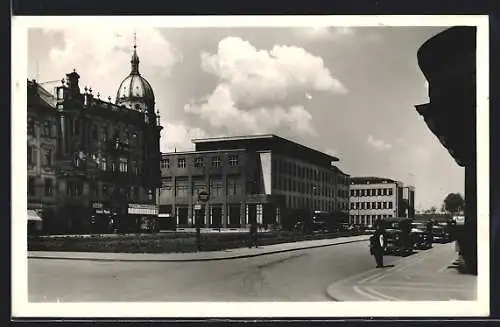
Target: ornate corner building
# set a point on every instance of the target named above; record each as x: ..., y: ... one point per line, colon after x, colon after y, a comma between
x: 93, y: 165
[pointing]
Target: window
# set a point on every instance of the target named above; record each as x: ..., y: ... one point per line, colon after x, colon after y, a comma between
x: 165, y: 163
x: 357, y: 192
x: 233, y: 160
x: 181, y: 163
x: 112, y: 164
x: 105, y: 190
x: 123, y: 165
x: 93, y: 189
x: 198, y: 162
x: 368, y: 205
x: 182, y: 189
x: 167, y: 187
x: 47, y: 128
x: 379, y: 205
x: 390, y: 191
x: 352, y: 193
x: 77, y: 126
x: 126, y: 136
x: 104, y: 164
x: 384, y: 205
x: 104, y: 131
x: 216, y: 187
x: 48, y: 158
x: 390, y: 204
x: 31, y: 151
x: 31, y: 186
x: 135, y: 193
x: 379, y: 191
x: 74, y: 188
x: 216, y: 162
x: 31, y: 126
x: 352, y: 205
x: 233, y: 186
x: 48, y: 187
x: 93, y: 132
x: 374, y: 205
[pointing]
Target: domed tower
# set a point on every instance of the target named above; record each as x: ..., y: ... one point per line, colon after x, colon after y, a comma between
x: 135, y: 92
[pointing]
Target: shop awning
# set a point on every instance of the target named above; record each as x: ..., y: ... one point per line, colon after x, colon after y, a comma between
x: 33, y: 216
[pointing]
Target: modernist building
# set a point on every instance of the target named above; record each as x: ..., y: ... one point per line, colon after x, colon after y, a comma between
x: 93, y: 164
x: 263, y: 178
x: 373, y: 198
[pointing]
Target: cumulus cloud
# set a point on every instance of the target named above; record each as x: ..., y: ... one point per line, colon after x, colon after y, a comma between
x: 253, y: 83
x: 325, y: 32
x: 101, y: 55
x: 378, y: 144
x: 178, y: 136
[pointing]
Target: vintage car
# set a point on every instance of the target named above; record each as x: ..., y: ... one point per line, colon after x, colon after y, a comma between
x: 421, y: 236
x: 397, y: 236
x: 441, y: 233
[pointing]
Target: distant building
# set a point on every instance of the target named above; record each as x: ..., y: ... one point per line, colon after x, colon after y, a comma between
x: 92, y: 164
x: 373, y: 198
x: 264, y: 178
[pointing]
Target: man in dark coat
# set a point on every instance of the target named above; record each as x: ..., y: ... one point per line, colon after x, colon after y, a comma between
x: 377, y: 245
x: 252, y: 241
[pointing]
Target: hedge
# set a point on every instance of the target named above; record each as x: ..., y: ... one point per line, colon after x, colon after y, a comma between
x: 167, y: 243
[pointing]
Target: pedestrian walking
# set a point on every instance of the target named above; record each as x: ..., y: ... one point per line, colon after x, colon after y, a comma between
x: 377, y: 245
x: 252, y: 239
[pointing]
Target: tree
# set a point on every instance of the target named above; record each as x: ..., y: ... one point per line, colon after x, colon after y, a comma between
x: 454, y: 203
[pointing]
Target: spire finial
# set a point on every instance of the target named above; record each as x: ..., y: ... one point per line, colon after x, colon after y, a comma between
x: 135, y: 57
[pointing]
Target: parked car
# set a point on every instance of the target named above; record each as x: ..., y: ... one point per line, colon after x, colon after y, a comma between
x: 421, y: 235
x: 398, y: 236
x: 441, y: 233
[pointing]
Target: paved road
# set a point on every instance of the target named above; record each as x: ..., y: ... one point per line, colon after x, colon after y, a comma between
x: 302, y: 275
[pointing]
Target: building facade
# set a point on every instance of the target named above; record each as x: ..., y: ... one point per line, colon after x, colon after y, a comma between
x: 373, y: 198
x: 263, y: 178
x: 93, y: 164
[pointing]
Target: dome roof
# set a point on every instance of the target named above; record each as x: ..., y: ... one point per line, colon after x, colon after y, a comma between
x: 135, y: 92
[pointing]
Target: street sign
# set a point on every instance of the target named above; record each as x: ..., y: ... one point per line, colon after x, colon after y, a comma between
x: 203, y: 196
x: 197, y: 207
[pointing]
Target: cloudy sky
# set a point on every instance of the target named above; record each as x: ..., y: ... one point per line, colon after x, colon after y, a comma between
x: 346, y: 91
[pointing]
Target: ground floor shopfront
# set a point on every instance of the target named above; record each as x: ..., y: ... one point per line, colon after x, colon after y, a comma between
x: 96, y: 217
x: 264, y: 210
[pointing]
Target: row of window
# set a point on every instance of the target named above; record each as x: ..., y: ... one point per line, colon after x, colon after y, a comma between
x: 121, y: 165
x: 199, y: 162
x: 366, y: 219
x: 47, y: 128
x: 47, y: 156
x: 48, y: 186
x: 371, y: 205
x: 372, y: 192
x: 298, y: 202
x: 75, y: 188
x: 296, y: 170
x: 216, y: 189
x: 292, y: 185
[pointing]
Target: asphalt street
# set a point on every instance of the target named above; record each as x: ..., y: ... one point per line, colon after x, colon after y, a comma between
x: 302, y: 275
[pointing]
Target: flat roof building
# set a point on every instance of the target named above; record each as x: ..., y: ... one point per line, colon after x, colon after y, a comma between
x: 373, y: 198
x: 262, y: 178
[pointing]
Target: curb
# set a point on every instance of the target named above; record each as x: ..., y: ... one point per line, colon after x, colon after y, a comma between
x: 194, y: 259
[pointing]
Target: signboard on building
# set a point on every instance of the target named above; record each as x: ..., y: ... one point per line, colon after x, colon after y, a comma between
x: 142, y: 209
x: 197, y: 207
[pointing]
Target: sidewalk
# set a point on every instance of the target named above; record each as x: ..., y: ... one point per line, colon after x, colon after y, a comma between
x: 425, y: 276
x: 196, y: 256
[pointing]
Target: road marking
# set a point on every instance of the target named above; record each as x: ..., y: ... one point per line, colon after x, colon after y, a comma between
x: 381, y: 295
x: 365, y: 294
